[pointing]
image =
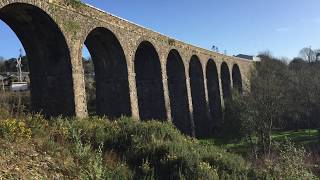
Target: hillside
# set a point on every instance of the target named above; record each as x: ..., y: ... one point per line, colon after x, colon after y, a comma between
x: 98, y: 148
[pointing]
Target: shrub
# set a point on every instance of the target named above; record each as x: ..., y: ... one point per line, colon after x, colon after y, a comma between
x: 14, y: 130
x: 289, y: 163
x: 155, y: 149
x: 38, y: 124
x: 225, y: 163
x: 237, y: 123
x: 136, y: 150
x: 120, y: 171
x: 206, y: 171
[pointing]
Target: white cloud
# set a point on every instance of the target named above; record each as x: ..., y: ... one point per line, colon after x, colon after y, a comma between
x: 283, y: 29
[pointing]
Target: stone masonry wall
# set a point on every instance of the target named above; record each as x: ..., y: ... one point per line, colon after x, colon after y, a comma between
x: 76, y: 21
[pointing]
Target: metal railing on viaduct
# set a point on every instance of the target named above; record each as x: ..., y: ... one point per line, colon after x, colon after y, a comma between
x: 138, y: 72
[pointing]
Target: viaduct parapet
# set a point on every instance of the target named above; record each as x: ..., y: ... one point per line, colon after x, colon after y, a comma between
x: 138, y: 72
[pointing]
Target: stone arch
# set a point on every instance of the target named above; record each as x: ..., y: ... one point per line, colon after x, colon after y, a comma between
x: 178, y: 92
x: 136, y: 43
x: 49, y: 58
x: 237, y: 78
x: 149, y: 82
x: 213, y: 91
x: 225, y: 81
x: 198, y: 97
x: 111, y: 73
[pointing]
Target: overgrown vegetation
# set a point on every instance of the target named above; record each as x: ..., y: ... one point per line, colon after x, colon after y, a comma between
x: 283, y: 97
x: 97, y: 148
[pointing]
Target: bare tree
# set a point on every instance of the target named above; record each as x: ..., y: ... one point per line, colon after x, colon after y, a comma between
x: 317, y: 54
x: 265, y: 54
x: 308, y: 54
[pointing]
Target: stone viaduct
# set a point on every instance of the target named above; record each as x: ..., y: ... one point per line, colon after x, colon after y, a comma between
x: 138, y: 72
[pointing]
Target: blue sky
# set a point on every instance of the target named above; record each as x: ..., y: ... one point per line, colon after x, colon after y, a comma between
x: 238, y: 26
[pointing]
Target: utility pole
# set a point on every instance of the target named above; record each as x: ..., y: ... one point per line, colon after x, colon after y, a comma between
x: 19, y: 65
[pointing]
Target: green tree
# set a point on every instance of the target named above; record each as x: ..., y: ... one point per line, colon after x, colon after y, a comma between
x: 269, y: 81
x: 257, y: 113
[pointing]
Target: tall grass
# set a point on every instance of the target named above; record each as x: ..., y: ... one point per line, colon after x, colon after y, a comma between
x: 14, y: 104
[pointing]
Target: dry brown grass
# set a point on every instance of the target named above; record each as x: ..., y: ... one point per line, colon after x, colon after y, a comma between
x: 14, y: 104
x: 25, y: 160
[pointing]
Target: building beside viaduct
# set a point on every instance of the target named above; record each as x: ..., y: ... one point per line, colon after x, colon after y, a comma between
x: 138, y: 72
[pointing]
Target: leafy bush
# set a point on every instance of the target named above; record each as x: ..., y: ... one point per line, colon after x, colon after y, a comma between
x: 157, y: 150
x: 151, y: 150
x: 97, y: 148
x: 237, y: 122
x: 14, y: 130
x: 288, y: 164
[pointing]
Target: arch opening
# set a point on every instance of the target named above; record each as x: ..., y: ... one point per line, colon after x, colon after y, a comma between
x: 149, y: 83
x: 107, y: 85
x: 48, y: 56
x: 225, y: 81
x: 198, y: 97
x: 236, y: 78
x: 213, y: 92
x: 178, y: 92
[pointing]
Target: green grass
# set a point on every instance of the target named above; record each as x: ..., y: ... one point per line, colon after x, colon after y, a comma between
x: 239, y: 147
x: 305, y: 137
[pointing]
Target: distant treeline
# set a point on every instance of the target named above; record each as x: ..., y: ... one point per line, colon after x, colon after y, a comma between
x: 9, y: 65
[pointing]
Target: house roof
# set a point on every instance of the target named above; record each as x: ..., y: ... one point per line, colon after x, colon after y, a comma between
x: 244, y: 56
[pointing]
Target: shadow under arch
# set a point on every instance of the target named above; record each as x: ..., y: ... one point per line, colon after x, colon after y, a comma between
x: 198, y: 97
x: 149, y: 83
x: 51, y: 80
x: 236, y: 78
x: 213, y: 92
x: 225, y: 81
x: 178, y: 92
x: 110, y: 74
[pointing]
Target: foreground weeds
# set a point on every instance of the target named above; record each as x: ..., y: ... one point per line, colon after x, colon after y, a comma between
x: 97, y: 148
